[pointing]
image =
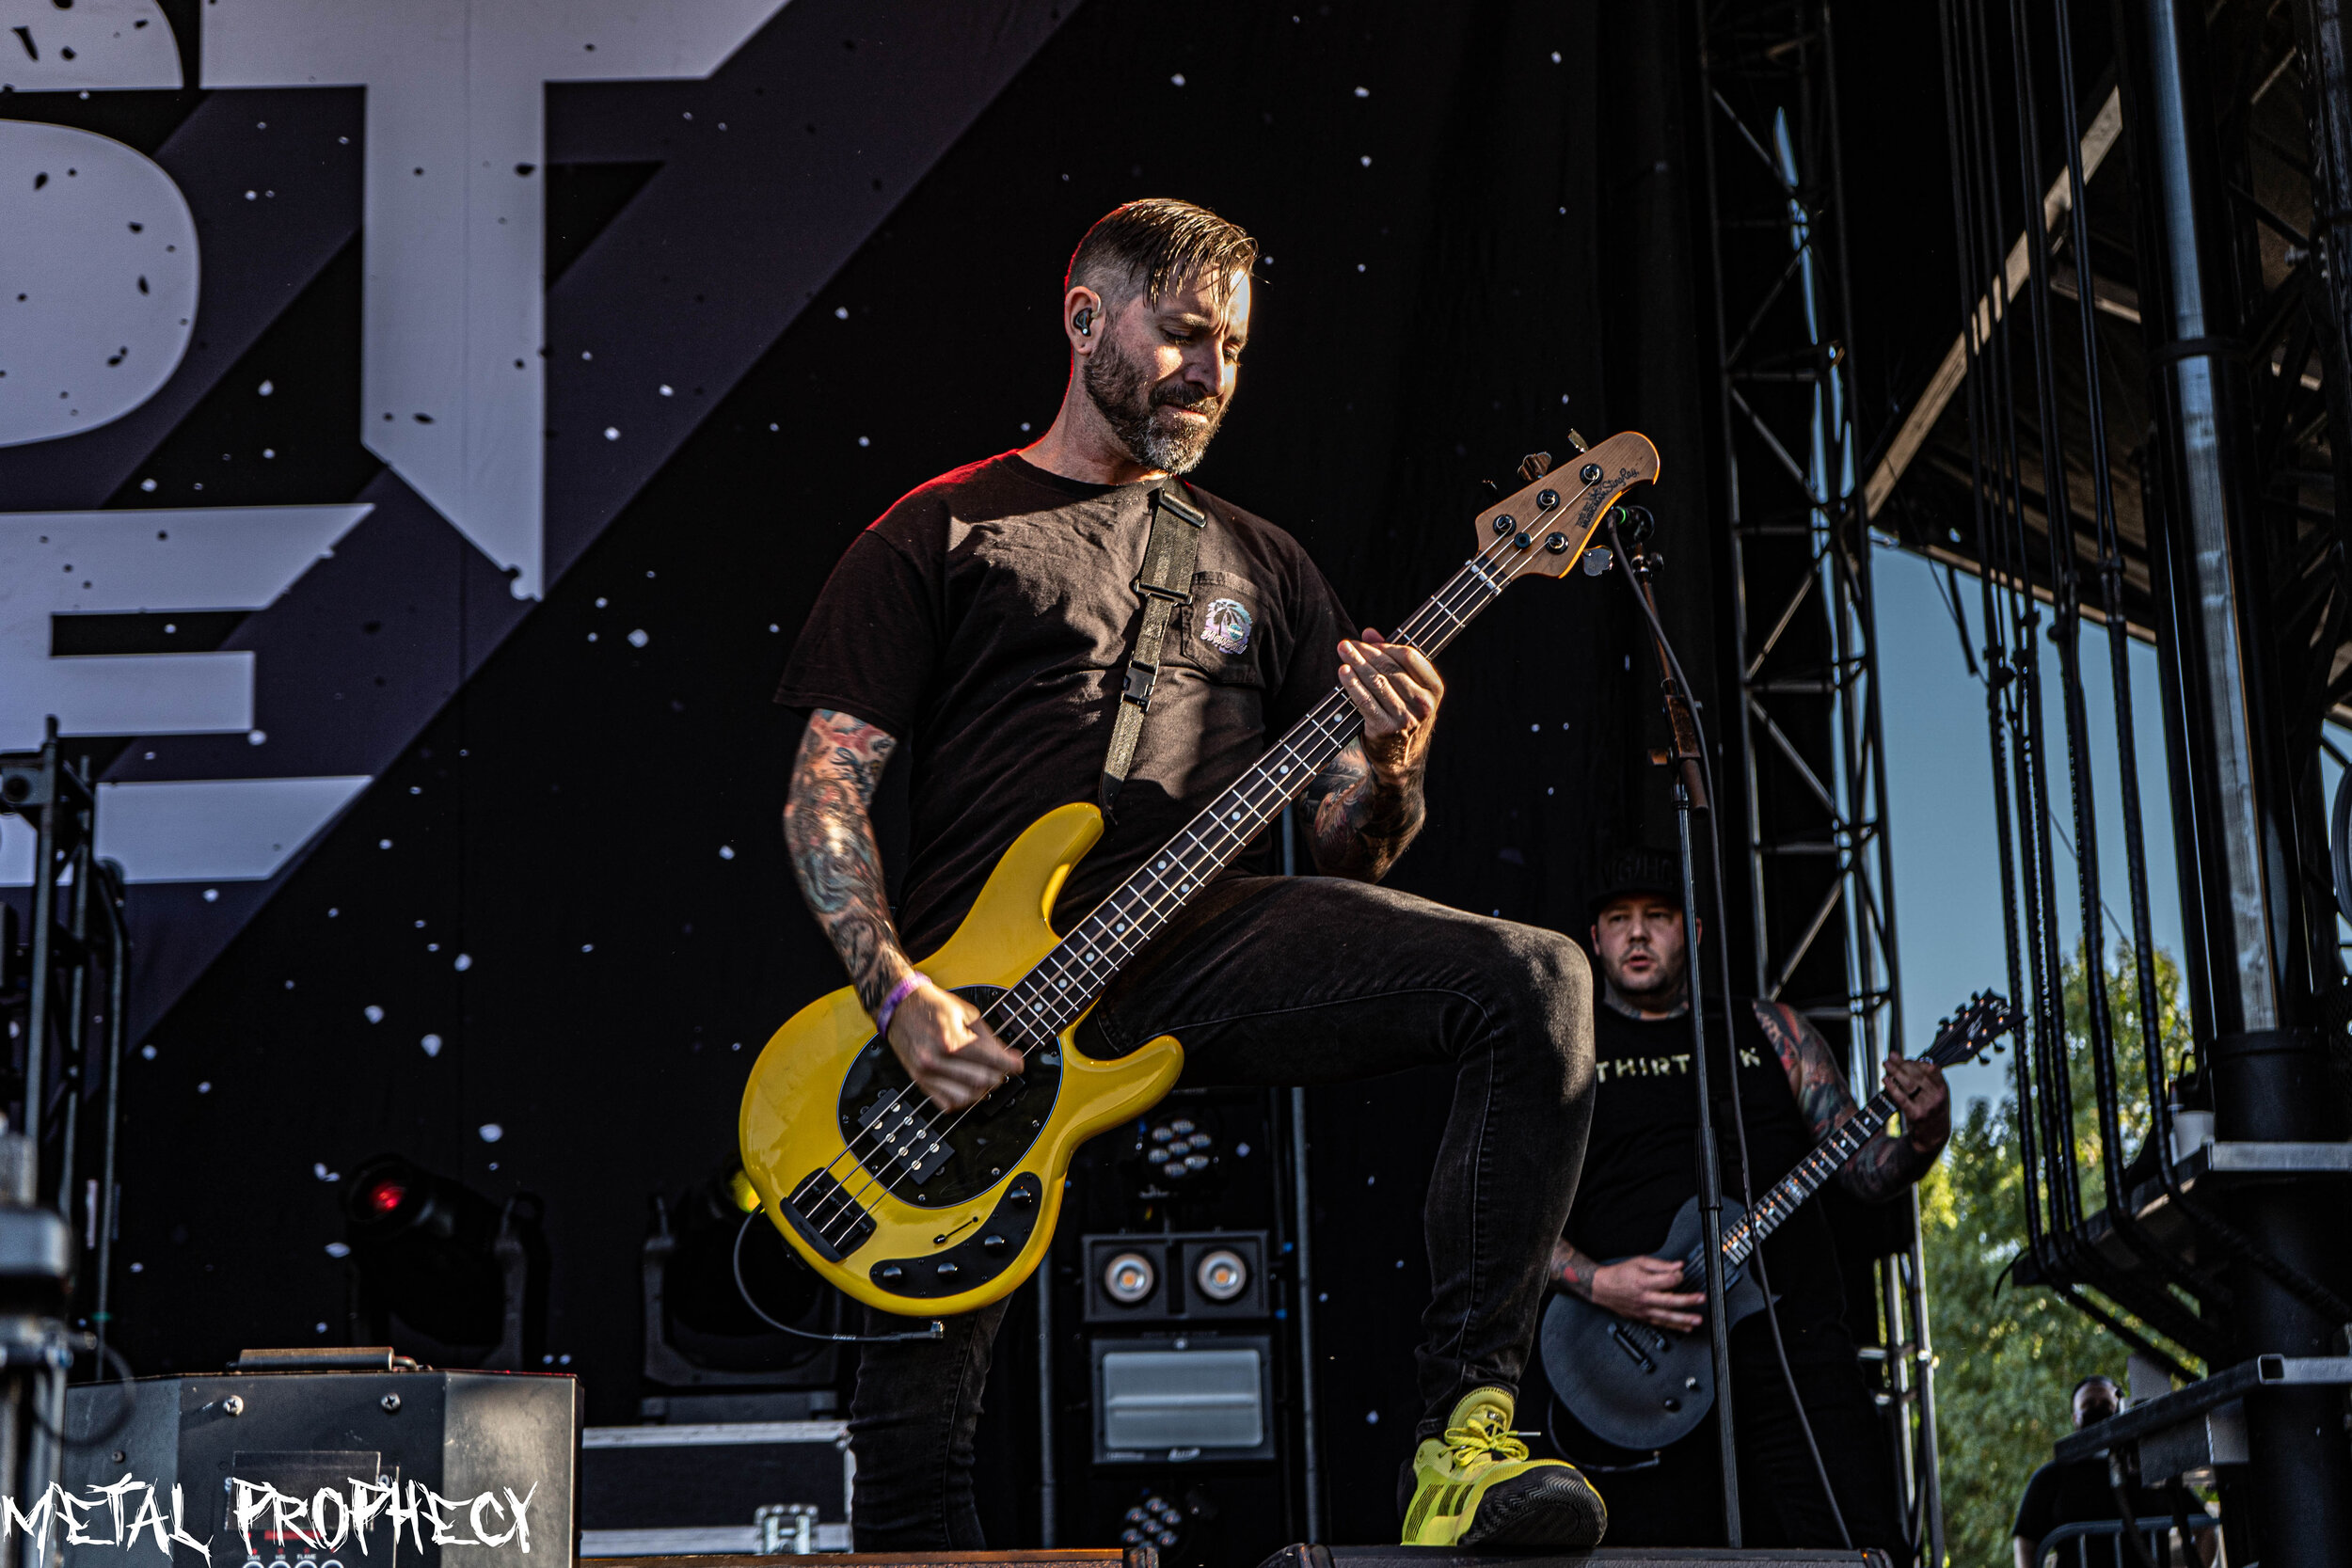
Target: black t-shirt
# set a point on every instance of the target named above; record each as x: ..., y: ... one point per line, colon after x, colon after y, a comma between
x: 985, y: 622
x: 1641, y: 1162
x: 2077, y: 1494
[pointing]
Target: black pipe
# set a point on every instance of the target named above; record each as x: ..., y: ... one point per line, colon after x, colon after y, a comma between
x: 2270, y: 1076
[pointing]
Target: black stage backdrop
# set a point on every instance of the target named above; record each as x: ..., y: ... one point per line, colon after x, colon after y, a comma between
x: 570, y: 880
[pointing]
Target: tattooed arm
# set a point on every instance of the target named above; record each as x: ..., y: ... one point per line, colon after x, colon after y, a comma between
x: 1887, y: 1163
x: 834, y: 853
x: 1367, y: 802
x: 1647, y: 1289
x: 939, y: 1037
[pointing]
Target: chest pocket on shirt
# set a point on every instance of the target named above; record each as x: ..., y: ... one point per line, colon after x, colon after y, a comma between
x: 1225, y: 630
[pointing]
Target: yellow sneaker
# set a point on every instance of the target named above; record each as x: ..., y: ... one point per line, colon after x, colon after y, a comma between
x: 1477, y: 1487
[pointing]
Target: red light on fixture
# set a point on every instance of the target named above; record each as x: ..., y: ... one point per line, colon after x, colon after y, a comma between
x: 385, y: 1196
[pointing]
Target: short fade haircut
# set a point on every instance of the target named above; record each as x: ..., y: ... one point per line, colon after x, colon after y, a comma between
x: 2095, y: 1377
x: 1157, y: 244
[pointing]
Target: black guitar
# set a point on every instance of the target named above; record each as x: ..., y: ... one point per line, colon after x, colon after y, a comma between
x: 1640, y: 1386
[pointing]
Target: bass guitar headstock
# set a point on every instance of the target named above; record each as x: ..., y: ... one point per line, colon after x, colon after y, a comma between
x: 1544, y: 525
x: 1974, y: 1030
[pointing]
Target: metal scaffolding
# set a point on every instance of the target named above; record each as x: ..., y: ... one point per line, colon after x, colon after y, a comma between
x: 1820, y: 874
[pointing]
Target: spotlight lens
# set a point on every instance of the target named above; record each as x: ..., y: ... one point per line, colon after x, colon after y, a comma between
x: 1129, y: 1277
x: 1222, y: 1275
x: 385, y: 1196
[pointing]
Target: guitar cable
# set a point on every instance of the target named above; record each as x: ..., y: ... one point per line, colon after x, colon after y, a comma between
x: 936, y: 1330
x: 1731, y: 1045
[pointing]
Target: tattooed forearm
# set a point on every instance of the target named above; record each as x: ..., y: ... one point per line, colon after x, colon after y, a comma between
x: 1886, y: 1166
x: 834, y: 854
x: 1573, y: 1271
x: 1888, y: 1163
x: 1362, y: 822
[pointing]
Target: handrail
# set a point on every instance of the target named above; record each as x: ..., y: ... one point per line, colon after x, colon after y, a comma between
x: 2153, y: 1527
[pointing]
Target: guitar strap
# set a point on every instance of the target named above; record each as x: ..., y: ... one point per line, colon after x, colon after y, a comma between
x: 1164, y: 585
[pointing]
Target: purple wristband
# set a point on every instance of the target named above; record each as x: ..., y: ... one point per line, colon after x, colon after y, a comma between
x: 898, y: 993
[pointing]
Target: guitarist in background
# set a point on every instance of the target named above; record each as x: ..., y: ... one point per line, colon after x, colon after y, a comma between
x: 1639, y: 1170
x: 984, y: 621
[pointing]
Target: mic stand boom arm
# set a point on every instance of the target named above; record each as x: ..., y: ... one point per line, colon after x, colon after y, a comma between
x: 1690, y: 796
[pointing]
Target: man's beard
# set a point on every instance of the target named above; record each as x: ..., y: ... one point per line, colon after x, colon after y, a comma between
x: 1662, y: 991
x: 1131, y: 405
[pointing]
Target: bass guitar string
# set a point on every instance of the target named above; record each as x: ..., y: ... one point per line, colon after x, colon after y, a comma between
x: 1474, y: 575
x: 1094, y: 941
x: 1334, y: 708
x: 1145, y: 923
x: 1172, y: 895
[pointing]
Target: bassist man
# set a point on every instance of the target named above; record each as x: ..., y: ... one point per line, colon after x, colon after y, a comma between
x: 985, y: 622
x: 1639, y: 1170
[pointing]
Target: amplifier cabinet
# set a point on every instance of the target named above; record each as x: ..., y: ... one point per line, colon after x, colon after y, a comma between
x: 447, y: 1469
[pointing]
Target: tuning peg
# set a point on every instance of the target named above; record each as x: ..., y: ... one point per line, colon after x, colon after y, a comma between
x: 1576, y: 442
x: 1534, y: 466
x: 1597, y: 560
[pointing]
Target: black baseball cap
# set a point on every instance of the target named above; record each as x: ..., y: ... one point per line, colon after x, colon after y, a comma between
x: 1639, y: 870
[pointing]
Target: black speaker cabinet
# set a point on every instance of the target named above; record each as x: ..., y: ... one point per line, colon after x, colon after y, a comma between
x: 482, y: 1460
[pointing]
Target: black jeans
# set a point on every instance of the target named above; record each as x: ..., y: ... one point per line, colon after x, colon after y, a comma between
x: 1310, y: 981
x: 1679, y: 1503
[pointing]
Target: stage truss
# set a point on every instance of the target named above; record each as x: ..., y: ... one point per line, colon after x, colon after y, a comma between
x: 1819, y: 871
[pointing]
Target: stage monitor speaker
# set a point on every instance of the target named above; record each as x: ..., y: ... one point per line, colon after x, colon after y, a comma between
x: 472, y: 1458
x: 1598, y: 1557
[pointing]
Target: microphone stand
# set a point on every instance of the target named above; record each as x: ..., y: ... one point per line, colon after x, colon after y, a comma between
x: 1685, y: 758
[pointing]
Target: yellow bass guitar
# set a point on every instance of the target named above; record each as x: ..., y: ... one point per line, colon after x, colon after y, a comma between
x: 923, y: 1211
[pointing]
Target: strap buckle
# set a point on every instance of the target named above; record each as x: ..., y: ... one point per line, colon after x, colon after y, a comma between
x: 1140, y: 678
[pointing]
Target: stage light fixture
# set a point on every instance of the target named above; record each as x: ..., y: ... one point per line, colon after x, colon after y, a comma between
x: 1221, y: 1275
x: 447, y: 1262
x: 1129, y: 1279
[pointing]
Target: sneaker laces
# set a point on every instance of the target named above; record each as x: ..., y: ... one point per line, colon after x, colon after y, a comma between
x: 1484, y: 1439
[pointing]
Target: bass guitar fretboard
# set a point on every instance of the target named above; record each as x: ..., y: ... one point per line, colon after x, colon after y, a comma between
x: 1065, y: 983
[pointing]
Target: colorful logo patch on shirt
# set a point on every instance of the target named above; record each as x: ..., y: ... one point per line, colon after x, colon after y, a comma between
x: 1226, y: 626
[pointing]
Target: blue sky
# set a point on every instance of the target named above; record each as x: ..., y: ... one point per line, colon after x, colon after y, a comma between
x: 1948, y: 893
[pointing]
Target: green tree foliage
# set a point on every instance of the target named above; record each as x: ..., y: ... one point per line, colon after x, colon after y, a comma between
x: 2007, y: 1357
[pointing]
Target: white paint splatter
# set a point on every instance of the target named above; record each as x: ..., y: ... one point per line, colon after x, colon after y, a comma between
x: 638, y: 639
x: 726, y: 851
x: 465, y: 962
x: 492, y: 1131
x: 375, y: 1014
x: 432, y: 1044
x: 338, y: 1249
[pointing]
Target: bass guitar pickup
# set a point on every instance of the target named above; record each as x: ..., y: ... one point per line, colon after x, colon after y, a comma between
x: 827, y: 1217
